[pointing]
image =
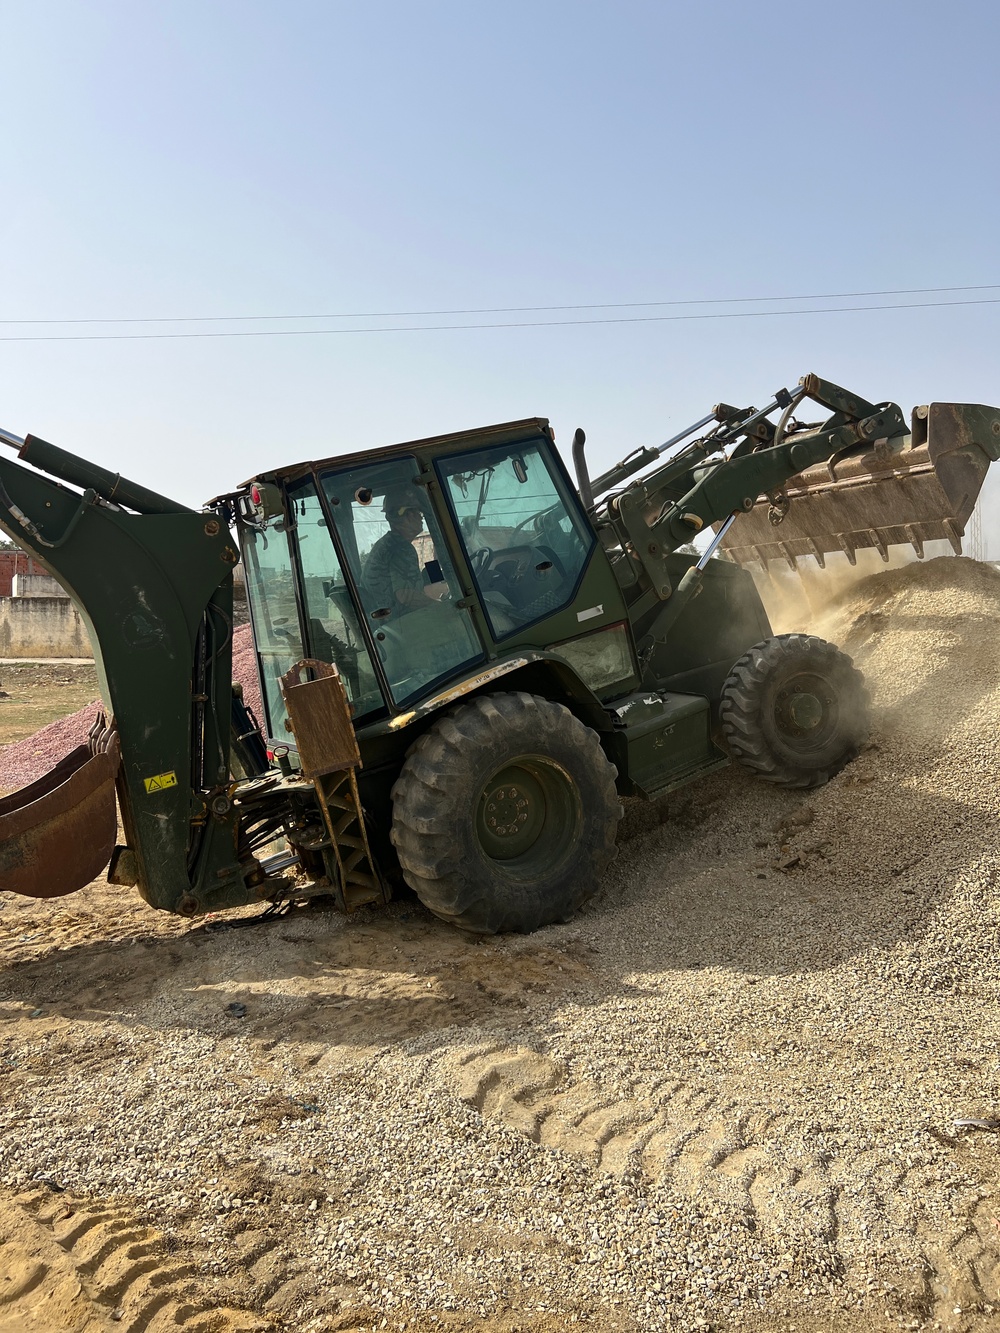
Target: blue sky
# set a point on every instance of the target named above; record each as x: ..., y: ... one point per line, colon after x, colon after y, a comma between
x: 219, y: 159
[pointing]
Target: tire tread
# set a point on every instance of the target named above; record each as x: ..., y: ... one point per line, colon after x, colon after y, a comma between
x: 437, y: 771
x: 740, y: 707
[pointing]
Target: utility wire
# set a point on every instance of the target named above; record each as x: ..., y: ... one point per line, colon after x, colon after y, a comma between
x: 513, y: 309
x: 520, y: 324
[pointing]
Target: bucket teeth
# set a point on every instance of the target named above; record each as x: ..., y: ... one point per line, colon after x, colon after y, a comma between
x: 847, y: 546
x: 915, y: 541
x: 818, y: 553
x: 954, y: 534
x: 879, y: 544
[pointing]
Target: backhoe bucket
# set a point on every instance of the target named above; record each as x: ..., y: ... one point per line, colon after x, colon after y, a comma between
x: 910, y: 490
x: 57, y: 834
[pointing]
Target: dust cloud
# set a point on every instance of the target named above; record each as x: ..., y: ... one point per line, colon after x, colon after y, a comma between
x: 804, y: 599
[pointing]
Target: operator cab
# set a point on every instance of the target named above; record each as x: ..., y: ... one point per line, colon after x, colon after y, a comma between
x: 376, y: 565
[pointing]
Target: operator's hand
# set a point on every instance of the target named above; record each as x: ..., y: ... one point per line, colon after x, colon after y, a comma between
x: 435, y: 591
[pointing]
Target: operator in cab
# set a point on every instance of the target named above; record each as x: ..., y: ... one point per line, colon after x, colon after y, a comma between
x: 392, y: 576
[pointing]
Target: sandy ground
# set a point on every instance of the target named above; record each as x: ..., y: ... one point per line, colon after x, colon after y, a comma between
x: 724, y: 1097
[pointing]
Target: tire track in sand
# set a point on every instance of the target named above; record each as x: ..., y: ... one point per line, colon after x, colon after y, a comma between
x: 67, y: 1266
x: 816, y: 1209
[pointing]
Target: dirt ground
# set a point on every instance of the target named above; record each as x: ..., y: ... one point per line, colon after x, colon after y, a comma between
x: 725, y: 1097
x: 36, y: 693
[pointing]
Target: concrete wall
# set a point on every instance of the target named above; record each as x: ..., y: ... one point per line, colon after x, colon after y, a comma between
x: 42, y: 627
x: 36, y: 585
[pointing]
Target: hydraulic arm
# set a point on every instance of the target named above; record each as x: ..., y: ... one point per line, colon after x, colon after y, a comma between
x: 862, y: 478
x: 154, y: 587
x: 723, y: 473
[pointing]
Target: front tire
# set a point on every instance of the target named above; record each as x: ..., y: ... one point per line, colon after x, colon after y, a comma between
x: 794, y: 710
x: 505, y: 814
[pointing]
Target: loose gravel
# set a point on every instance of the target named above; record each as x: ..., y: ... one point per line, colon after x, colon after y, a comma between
x: 724, y: 1097
x: 31, y: 758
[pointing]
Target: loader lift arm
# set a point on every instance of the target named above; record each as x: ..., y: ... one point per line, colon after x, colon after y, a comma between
x: 724, y: 472
x: 861, y: 478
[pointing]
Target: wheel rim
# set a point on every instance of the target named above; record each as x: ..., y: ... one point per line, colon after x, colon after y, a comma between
x: 806, y: 711
x: 529, y: 814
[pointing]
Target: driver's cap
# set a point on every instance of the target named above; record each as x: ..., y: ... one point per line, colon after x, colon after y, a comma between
x: 401, y: 498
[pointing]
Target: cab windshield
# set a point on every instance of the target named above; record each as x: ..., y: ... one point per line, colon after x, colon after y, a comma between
x: 526, y: 539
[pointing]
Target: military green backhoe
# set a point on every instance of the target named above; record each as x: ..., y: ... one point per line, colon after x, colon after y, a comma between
x: 465, y: 659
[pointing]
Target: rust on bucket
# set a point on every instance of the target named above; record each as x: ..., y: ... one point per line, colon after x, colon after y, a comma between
x: 58, y: 833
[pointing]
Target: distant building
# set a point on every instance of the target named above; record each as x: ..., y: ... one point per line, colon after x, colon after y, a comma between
x: 13, y: 561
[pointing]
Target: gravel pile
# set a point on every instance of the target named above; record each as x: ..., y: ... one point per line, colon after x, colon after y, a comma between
x: 724, y: 1097
x: 33, y: 757
x: 245, y: 668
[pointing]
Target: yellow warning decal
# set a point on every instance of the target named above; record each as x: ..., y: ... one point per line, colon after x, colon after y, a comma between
x: 161, y: 782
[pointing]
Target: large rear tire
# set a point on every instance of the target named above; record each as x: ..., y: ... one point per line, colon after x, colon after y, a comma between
x: 794, y: 710
x: 505, y: 814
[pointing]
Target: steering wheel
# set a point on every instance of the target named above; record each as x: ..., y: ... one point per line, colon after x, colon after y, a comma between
x: 538, y: 520
x: 480, y: 560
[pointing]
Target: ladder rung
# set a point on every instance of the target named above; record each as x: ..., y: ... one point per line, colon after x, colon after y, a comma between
x: 356, y: 879
x: 345, y: 820
x: 362, y: 898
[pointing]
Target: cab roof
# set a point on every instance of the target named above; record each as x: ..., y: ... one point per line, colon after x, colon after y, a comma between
x: 507, y: 432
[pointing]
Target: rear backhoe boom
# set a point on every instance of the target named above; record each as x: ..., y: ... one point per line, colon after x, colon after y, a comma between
x: 154, y: 587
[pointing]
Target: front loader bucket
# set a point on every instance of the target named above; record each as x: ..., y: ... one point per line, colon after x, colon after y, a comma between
x: 906, y: 491
x: 57, y: 834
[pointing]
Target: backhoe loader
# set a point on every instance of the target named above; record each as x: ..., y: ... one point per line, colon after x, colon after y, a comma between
x: 465, y: 659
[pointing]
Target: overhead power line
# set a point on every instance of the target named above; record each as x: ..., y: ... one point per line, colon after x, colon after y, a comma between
x: 512, y: 309
x: 514, y: 324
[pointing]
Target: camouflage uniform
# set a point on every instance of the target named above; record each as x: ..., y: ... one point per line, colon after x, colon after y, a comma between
x: 392, y: 566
